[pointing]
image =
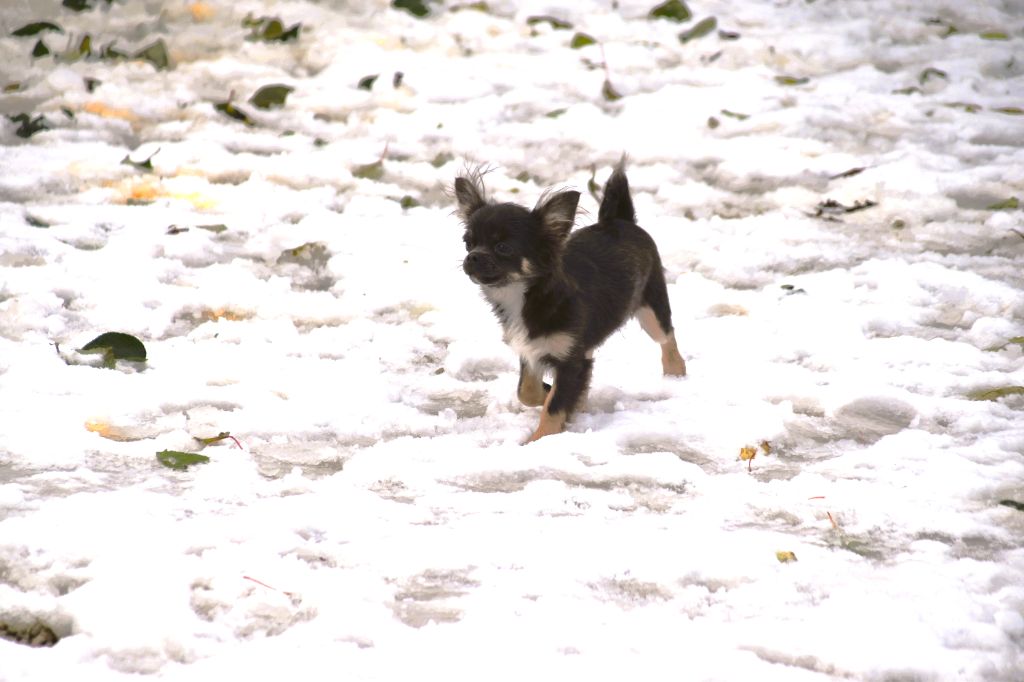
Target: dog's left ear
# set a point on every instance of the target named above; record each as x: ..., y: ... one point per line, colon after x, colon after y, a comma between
x: 557, y: 212
x: 469, y: 192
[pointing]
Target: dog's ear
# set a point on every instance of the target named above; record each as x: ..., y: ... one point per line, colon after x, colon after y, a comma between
x: 469, y: 192
x: 557, y: 212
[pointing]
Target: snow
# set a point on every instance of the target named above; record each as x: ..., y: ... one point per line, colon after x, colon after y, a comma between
x: 379, y: 518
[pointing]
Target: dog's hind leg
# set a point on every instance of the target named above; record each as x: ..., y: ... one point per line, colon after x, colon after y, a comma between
x: 572, y: 379
x: 655, y: 317
x: 532, y: 390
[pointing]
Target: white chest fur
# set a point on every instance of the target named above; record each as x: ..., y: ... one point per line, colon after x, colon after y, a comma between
x: 507, y: 301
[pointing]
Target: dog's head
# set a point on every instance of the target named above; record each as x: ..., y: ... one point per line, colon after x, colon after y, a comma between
x: 506, y: 243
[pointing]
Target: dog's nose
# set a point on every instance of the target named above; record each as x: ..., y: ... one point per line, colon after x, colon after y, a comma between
x: 475, y: 259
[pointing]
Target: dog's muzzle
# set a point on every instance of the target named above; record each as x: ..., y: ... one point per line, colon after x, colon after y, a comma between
x: 481, y: 267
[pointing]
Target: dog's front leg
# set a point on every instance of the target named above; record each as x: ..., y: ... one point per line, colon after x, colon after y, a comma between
x: 532, y: 389
x: 572, y: 379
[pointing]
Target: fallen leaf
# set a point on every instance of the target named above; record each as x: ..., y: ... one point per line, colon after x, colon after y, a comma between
x: 201, y: 11
x: 701, y: 29
x: 931, y: 73
x: 370, y: 171
x: 156, y: 54
x: 554, y: 22
x: 180, y: 461
x: 609, y: 92
x: 673, y: 10
x: 231, y: 111
x: 35, y: 28
x: 270, y: 96
x: 736, y: 115
x: 792, y: 80
x: 1008, y: 204
x: 785, y: 557
x: 996, y: 393
x: 117, y: 345
x: 101, y: 109
x: 581, y: 40
x: 417, y: 8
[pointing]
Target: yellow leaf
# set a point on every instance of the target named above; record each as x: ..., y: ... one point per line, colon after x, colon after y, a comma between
x: 785, y: 557
x: 767, y: 447
x: 101, y: 109
x: 747, y: 452
x: 201, y: 11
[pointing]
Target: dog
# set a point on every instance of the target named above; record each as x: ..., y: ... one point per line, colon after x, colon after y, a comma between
x: 559, y: 294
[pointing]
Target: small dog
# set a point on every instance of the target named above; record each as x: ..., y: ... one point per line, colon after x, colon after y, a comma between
x: 558, y: 295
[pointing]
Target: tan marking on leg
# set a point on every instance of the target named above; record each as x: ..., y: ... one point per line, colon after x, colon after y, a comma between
x: 649, y: 321
x: 671, y: 361
x: 531, y: 389
x: 550, y: 424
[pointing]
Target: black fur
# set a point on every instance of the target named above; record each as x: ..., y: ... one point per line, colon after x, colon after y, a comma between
x: 560, y: 294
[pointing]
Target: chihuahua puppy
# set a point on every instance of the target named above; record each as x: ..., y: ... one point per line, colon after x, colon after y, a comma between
x: 559, y: 294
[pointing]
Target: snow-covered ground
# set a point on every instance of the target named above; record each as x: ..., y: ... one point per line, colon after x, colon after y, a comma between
x: 379, y: 519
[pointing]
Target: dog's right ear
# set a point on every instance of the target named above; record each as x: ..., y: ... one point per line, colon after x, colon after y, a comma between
x: 469, y: 192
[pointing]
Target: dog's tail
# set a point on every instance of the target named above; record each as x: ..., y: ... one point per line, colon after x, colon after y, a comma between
x: 616, y: 203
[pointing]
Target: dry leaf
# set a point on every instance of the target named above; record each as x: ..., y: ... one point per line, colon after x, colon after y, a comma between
x: 785, y: 557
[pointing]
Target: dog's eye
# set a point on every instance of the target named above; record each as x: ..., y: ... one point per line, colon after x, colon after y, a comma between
x: 503, y: 249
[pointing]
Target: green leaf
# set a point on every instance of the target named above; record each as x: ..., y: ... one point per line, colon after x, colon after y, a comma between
x: 994, y: 35
x: 370, y: 171
x: 555, y: 113
x: 969, y: 107
x: 40, y: 49
x: 216, y: 229
x: 408, y: 201
x: 417, y: 8
x: 229, y: 109
x: 609, y: 92
x: 116, y: 346
x: 1013, y: 504
x: 554, y: 22
x: 673, y: 10
x: 996, y: 393
x: 366, y: 82
x: 441, y: 159
x: 180, y: 461
x: 1008, y: 205
x: 728, y: 35
x: 223, y: 435
x: 155, y: 54
x: 701, y: 29
x: 931, y: 73
x: 270, y: 96
x: 110, y: 52
x: 77, y: 5
x: 733, y: 114
x: 29, y: 126
x: 581, y: 40
x: 847, y: 173
x: 144, y: 165
x: 792, y: 80
x: 36, y: 27
x: 1012, y: 111
x: 270, y: 29
x: 911, y: 90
